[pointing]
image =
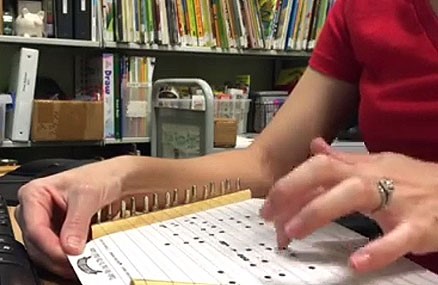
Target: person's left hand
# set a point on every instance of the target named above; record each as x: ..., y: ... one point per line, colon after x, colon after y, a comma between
x: 332, y: 184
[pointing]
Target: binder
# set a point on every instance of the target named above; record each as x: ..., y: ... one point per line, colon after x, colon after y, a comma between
x: 22, y: 88
x: 64, y: 19
x: 82, y: 19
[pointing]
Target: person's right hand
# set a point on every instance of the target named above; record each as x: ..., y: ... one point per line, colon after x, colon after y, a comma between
x: 54, y: 212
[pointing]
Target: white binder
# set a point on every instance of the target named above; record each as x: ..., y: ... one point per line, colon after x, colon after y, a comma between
x: 22, y: 87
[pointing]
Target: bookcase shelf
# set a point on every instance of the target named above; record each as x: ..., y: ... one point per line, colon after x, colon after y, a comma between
x: 11, y: 144
x: 48, y: 42
x: 171, y: 50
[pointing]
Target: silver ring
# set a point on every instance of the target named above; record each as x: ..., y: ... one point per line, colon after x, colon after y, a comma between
x: 385, y: 187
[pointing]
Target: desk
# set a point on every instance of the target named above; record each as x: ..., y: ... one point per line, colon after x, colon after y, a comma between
x: 46, y: 278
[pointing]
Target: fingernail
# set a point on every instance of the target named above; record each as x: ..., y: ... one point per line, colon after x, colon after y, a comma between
x: 293, y: 228
x: 74, y: 242
x: 360, y: 260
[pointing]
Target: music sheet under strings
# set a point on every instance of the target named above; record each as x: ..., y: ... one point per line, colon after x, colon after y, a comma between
x: 231, y: 244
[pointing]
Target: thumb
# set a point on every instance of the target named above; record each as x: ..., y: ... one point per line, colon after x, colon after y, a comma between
x: 385, y: 250
x: 320, y: 146
x: 76, y: 226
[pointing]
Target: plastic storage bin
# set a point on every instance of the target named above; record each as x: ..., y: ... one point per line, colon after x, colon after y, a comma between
x: 266, y: 105
x: 233, y: 109
x: 4, y: 100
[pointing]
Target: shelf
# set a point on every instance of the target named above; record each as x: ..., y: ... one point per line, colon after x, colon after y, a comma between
x: 203, y: 50
x: 127, y: 140
x: 11, y: 144
x: 48, y: 42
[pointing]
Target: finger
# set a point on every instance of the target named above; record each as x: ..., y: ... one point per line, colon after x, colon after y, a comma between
x: 41, y: 242
x: 282, y: 239
x: 385, y: 250
x: 75, y: 229
x: 348, y: 196
x: 295, y: 207
x: 60, y: 266
x: 318, y: 171
x: 320, y: 146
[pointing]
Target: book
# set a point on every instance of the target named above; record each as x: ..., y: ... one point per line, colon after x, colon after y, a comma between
x: 220, y: 239
x: 22, y: 87
x: 64, y: 19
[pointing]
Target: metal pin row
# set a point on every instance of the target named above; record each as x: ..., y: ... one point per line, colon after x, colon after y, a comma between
x: 191, y: 195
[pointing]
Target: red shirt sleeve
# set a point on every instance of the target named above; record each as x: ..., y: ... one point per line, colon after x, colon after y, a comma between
x: 333, y: 54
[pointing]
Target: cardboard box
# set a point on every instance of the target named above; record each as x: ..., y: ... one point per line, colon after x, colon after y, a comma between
x: 55, y: 120
x: 225, y: 132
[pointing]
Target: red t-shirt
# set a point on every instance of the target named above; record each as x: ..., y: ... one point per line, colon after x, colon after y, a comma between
x: 389, y: 48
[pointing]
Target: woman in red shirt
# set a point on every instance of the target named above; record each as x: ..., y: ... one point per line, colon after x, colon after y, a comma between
x: 382, y: 54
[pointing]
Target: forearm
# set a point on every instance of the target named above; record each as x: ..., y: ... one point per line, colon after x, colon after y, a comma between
x: 143, y: 175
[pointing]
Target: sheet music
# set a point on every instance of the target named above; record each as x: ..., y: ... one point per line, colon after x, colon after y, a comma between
x: 231, y: 245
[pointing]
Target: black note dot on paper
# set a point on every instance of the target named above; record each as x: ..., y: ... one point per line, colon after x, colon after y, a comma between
x: 311, y: 267
x: 232, y: 282
x: 253, y: 265
x: 201, y: 241
x: 231, y: 218
x: 269, y: 248
x: 194, y: 218
x: 247, y: 217
x: 261, y: 223
x: 221, y: 232
x: 281, y: 274
x: 163, y: 226
x: 192, y: 223
x: 248, y: 249
x: 267, y: 277
x: 204, y: 222
x: 175, y: 234
x: 239, y: 222
x: 248, y: 227
x: 213, y: 227
x: 196, y: 238
x: 264, y: 261
x: 234, y: 249
x: 186, y: 242
x: 167, y: 244
x: 211, y: 235
x: 203, y: 229
x: 220, y: 272
x: 221, y: 220
x: 261, y: 244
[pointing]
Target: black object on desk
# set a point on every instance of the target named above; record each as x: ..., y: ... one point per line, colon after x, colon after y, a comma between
x: 12, y: 181
x: 16, y: 267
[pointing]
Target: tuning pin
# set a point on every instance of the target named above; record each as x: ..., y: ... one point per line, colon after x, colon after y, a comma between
x: 222, y: 187
x: 99, y: 216
x: 133, y: 206
x: 155, y: 205
x: 194, y: 193
x: 228, y: 185
x: 212, y: 190
x: 123, y: 209
x: 167, y: 204
x: 238, y: 188
x: 187, y: 198
x: 175, y: 197
x: 110, y: 212
x: 205, y: 192
x: 145, y: 204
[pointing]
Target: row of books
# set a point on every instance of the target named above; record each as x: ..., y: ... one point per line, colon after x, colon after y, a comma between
x: 242, y: 24
x: 124, y: 83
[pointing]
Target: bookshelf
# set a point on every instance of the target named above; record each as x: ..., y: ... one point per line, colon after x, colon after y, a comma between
x: 216, y: 64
